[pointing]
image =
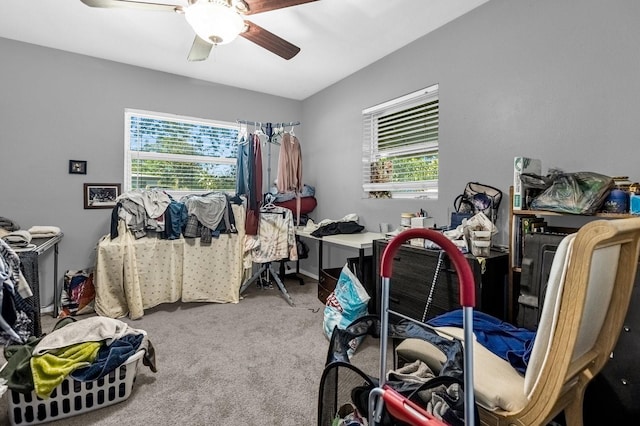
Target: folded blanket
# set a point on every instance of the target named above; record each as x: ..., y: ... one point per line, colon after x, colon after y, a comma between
x: 41, y: 231
x: 19, y: 238
x: 50, y: 369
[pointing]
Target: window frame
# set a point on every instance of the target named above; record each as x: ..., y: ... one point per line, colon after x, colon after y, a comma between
x: 130, y: 155
x: 372, y: 154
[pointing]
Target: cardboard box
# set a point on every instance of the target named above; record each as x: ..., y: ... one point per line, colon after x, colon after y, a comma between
x: 523, y: 165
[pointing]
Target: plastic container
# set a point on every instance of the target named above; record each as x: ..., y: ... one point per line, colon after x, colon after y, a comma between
x: 72, y: 397
x: 405, y: 220
x: 617, y: 202
x: 480, y: 248
x: 634, y: 204
x: 481, y: 243
x: 481, y: 235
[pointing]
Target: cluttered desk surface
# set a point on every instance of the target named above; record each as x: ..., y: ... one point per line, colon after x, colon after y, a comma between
x: 357, y: 240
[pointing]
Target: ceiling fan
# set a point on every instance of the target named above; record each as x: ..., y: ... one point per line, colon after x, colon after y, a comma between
x: 219, y: 22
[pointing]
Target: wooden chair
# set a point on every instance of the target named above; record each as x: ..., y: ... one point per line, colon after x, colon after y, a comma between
x: 586, y: 302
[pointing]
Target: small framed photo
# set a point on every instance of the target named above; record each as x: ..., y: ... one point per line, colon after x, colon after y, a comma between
x: 77, y: 167
x: 101, y: 195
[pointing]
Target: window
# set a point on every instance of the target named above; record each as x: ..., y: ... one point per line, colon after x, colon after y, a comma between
x: 400, y: 149
x: 179, y: 154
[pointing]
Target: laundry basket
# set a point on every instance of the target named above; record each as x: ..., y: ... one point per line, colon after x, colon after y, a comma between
x: 72, y: 397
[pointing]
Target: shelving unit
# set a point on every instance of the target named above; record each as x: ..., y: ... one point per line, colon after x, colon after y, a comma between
x: 514, y: 270
x: 616, y: 386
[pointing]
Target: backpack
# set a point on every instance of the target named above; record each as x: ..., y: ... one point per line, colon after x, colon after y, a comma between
x: 478, y: 198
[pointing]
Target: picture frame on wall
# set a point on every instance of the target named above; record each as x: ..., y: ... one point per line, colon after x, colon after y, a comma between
x: 101, y: 195
x: 77, y: 167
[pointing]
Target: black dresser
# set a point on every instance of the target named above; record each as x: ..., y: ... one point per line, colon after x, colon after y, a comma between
x: 413, y: 272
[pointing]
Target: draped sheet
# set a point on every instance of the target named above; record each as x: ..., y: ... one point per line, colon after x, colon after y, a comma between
x: 134, y: 275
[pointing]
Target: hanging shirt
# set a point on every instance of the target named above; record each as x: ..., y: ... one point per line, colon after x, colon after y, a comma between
x: 276, y: 240
x: 255, y: 187
x: 290, y: 165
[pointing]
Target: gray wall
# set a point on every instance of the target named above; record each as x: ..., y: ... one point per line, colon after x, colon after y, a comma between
x: 57, y: 106
x: 549, y: 79
x: 556, y: 80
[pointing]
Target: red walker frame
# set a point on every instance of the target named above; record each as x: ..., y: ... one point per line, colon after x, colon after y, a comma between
x: 399, y: 406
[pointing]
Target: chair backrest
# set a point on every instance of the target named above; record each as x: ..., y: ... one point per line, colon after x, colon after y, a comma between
x: 586, y: 302
x: 549, y: 315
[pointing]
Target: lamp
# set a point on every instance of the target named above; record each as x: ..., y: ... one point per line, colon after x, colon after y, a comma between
x: 214, y: 21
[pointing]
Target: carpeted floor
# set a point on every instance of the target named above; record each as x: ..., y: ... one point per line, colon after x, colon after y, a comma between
x: 258, y: 362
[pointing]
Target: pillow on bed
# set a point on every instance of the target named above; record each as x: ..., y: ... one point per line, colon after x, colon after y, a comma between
x: 307, y: 204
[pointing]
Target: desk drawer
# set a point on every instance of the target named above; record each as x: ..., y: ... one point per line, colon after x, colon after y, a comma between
x: 412, y: 276
x: 411, y: 283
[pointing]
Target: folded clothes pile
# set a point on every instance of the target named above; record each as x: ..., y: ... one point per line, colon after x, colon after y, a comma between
x: 8, y: 224
x: 18, y: 239
x: 21, y: 239
x: 40, y: 231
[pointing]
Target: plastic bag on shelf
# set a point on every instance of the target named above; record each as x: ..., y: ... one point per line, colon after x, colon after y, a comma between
x: 575, y: 193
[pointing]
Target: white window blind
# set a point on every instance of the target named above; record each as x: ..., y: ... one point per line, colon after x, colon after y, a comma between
x: 400, y: 147
x: 179, y: 154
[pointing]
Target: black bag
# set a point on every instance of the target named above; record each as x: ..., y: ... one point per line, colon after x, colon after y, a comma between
x: 451, y: 407
x: 302, y: 248
x: 478, y: 198
x: 442, y: 396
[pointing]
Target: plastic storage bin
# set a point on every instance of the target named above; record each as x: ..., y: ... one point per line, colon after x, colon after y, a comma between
x: 72, y: 397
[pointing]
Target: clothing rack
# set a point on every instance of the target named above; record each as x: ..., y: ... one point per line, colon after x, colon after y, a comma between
x: 270, y: 131
x: 268, y: 127
x: 270, y: 272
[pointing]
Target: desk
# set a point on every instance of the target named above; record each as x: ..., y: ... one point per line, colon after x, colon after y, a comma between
x: 360, y: 241
x: 29, y: 259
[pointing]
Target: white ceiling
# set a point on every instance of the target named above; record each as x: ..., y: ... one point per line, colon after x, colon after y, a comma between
x: 336, y: 37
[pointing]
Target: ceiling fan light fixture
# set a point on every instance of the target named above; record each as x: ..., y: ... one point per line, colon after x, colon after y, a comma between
x: 214, y: 21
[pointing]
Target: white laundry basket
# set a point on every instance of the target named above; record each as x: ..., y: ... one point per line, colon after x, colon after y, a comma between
x: 72, y: 397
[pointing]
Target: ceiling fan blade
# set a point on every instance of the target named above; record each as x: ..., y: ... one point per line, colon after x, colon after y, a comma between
x: 200, y: 50
x: 259, y: 6
x: 133, y: 5
x: 269, y: 41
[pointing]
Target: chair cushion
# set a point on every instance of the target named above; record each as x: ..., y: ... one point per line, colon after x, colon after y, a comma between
x: 507, y: 393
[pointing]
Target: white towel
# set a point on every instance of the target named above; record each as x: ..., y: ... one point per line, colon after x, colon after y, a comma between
x: 41, y: 231
x: 19, y: 238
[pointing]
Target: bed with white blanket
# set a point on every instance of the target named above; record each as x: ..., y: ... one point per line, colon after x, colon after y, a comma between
x: 137, y: 274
